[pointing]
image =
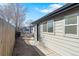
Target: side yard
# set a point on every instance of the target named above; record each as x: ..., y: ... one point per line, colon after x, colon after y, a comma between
x: 23, y: 48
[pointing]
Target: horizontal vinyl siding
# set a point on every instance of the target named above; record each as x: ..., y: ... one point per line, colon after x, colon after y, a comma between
x: 59, y: 27
x: 59, y: 42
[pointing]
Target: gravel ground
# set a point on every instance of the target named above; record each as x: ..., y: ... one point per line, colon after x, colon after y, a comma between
x: 23, y: 48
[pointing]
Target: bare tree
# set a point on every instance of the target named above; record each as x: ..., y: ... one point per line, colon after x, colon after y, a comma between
x: 14, y: 12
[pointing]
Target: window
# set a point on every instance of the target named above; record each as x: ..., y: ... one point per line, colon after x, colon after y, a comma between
x: 71, y: 24
x: 45, y: 27
x: 50, y: 26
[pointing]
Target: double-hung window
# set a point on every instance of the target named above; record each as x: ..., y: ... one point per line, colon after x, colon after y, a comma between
x: 50, y: 26
x: 45, y: 27
x: 71, y: 24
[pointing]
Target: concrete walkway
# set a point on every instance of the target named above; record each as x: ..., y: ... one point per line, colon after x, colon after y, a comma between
x: 46, y: 51
x: 42, y: 49
x: 23, y: 48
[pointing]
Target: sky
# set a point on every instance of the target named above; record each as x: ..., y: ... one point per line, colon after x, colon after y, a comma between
x: 34, y: 11
x: 38, y: 10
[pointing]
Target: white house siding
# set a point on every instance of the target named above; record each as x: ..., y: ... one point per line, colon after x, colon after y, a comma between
x: 58, y: 42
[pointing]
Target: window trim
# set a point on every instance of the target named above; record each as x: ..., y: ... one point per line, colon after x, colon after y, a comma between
x: 72, y: 35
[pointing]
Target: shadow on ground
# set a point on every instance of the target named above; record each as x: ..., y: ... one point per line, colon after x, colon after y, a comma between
x: 23, y: 48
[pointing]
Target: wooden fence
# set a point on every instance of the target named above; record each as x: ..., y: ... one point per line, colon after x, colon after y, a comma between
x: 7, y: 38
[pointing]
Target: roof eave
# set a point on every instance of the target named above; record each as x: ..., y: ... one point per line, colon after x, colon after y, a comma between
x: 62, y: 9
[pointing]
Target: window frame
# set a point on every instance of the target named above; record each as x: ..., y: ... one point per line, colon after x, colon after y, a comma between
x: 72, y: 35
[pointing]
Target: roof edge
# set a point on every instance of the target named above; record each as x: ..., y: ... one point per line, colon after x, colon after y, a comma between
x: 68, y: 5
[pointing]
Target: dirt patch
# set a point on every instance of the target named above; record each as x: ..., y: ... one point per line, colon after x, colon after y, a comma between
x: 23, y: 48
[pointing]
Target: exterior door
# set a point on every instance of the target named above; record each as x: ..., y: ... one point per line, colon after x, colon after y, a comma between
x: 38, y: 32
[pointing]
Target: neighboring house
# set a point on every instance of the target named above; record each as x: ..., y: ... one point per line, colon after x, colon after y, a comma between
x: 59, y: 30
x: 27, y: 29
